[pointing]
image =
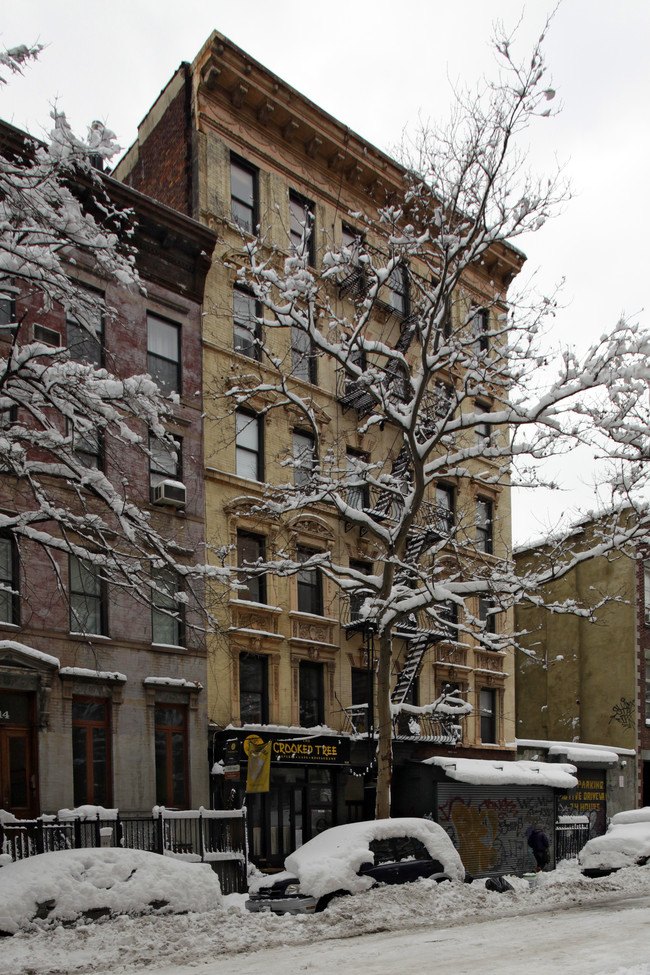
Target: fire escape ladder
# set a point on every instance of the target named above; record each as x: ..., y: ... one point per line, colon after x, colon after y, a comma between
x: 411, y: 667
x: 385, y: 500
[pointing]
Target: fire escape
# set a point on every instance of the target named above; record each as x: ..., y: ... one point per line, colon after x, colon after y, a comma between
x: 416, y: 632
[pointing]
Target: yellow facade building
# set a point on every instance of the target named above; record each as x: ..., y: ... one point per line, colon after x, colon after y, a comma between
x: 235, y: 147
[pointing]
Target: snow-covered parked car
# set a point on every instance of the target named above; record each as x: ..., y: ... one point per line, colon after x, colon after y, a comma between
x: 90, y: 884
x: 626, y: 843
x: 354, y: 857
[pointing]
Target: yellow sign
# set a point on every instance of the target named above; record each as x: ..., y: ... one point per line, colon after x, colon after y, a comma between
x: 259, y: 765
x: 252, y: 741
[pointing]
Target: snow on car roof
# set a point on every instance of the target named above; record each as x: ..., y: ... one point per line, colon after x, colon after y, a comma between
x: 627, y: 838
x: 632, y: 816
x: 330, y: 861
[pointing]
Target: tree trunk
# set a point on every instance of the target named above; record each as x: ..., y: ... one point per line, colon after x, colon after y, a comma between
x: 385, y: 738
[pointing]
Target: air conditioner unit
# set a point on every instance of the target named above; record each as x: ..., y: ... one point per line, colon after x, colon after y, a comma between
x: 172, y: 493
x: 49, y: 336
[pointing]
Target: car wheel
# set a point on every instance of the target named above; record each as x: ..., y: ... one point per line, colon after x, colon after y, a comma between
x: 327, y: 899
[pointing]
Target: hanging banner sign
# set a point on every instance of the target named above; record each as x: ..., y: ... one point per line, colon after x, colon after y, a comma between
x: 259, y: 767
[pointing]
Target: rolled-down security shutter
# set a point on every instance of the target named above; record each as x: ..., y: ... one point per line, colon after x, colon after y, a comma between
x: 488, y: 824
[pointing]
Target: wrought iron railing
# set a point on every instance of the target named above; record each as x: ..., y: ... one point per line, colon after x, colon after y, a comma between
x: 411, y: 723
x: 212, y: 836
x: 570, y: 837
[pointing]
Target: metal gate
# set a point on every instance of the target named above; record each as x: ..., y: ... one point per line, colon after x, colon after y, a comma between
x: 488, y: 824
x: 571, y: 834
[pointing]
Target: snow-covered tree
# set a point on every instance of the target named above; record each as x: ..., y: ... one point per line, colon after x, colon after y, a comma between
x: 442, y: 367
x: 56, y: 406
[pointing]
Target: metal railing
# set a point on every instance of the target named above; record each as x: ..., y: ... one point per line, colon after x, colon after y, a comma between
x: 213, y: 836
x: 570, y: 837
x: 408, y: 724
x: 440, y: 729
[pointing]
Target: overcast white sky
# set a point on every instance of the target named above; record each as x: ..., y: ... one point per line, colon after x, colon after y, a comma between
x: 378, y: 66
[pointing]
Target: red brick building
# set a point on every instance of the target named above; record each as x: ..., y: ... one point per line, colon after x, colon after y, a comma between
x: 101, y: 696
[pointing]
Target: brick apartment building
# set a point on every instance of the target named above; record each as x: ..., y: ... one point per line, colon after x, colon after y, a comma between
x: 102, y: 698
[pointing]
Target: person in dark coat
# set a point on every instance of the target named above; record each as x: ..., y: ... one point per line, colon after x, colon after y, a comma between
x: 539, y: 844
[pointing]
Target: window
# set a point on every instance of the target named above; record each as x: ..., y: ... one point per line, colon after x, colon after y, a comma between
x: 312, y: 706
x: 304, y: 459
x: 246, y: 330
x: 484, y: 518
x: 82, y: 345
x: 310, y: 586
x: 167, y: 610
x: 253, y: 689
x: 88, y: 444
x: 249, y: 456
x: 480, y: 330
x: 8, y: 414
x: 398, y: 290
x: 91, y: 752
x: 488, y: 716
x: 87, y: 598
x: 7, y: 305
x: 646, y: 592
x: 171, y: 756
x: 9, y: 600
x: 443, y: 399
x: 446, y: 328
x: 351, y: 241
x: 243, y: 194
x: 362, y: 694
x: 251, y: 549
x: 486, y: 614
x: 165, y: 460
x: 301, y: 226
x: 357, y: 494
x: 448, y: 614
x: 303, y: 359
x: 445, y: 515
x: 164, y: 353
x: 482, y: 429
x: 357, y: 598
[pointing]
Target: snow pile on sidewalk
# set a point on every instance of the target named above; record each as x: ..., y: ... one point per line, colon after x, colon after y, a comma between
x: 71, y: 884
x: 126, y: 943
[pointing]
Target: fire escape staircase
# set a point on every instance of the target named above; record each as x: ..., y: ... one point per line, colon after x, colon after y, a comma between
x: 353, y: 395
x: 419, y: 639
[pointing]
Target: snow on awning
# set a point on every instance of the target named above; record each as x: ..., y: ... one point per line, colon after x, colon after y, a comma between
x: 479, y: 771
x: 585, y: 756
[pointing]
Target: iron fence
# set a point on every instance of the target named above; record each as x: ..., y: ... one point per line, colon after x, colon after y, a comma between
x: 570, y: 837
x: 213, y: 836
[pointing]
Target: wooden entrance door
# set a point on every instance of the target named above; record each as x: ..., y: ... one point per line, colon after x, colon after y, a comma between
x: 18, y: 791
